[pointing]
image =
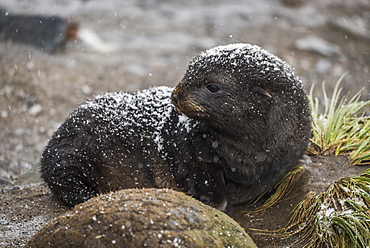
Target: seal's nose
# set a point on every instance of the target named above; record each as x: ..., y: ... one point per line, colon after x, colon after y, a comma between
x: 174, y: 96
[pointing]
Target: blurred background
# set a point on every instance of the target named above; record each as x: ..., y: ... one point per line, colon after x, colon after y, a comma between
x: 128, y: 45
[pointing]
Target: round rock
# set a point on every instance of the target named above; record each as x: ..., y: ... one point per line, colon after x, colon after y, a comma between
x: 142, y: 218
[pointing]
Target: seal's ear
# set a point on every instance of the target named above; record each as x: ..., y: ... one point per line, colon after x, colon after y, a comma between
x: 258, y: 90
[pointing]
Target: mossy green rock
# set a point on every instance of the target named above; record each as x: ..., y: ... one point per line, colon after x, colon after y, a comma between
x: 142, y: 218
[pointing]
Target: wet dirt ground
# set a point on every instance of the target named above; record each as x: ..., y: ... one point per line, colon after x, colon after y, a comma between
x: 150, y: 43
x: 24, y: 210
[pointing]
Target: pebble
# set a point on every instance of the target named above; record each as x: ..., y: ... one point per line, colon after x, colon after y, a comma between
x: 35, y: 110
x: 86, y: 89
x: 16, y: 187
x: 354, y: 25
x: 316, y: 44
x: 323, y: 66
x: 4, y: 114
x: 4, y: 222
x: 294, y: 3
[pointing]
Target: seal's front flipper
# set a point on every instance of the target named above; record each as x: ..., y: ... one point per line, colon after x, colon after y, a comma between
x: 207, y: 184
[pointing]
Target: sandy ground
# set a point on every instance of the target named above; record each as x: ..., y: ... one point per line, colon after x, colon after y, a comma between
x: 151, y: 43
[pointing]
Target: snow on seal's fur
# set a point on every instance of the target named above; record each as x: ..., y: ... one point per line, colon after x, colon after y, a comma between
x: 250, y: 55
x: 125, y: 112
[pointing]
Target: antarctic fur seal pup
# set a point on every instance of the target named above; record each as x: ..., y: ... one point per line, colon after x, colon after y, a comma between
x: 235, y: 124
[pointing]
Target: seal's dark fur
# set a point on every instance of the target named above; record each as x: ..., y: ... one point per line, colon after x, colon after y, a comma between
x: 239, y: 120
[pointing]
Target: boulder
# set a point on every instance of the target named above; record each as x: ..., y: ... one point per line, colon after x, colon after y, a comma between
x: 142, y: 218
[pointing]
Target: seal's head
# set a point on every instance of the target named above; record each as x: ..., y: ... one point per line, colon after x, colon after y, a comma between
x: 228, y: 85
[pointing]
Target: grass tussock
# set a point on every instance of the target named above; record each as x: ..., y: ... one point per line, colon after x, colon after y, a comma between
x: 282, y: 188
x: 343, y: 128
x: 339, y: 217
